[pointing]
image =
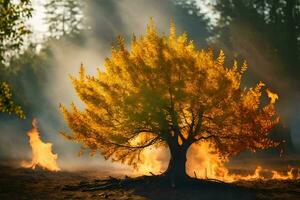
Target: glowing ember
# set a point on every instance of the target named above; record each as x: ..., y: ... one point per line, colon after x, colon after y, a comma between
x: 42, y: 155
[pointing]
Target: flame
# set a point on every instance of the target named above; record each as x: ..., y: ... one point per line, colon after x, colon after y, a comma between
x: 152, y: 161
x: 272, y: 96
x: 289, y: 175
x: 42, y: 155
x: 205, y: 163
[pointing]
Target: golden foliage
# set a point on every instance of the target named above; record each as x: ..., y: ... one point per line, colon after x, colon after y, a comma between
x: 164, y: 89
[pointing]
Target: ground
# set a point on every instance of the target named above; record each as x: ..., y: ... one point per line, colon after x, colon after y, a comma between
x: 19, y: 183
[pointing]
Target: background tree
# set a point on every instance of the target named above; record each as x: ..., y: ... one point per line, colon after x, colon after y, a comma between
x: 165, y: 92
x: 13, y: 28
x: 266, y: 17
x: 6, y: 103
x: 27, y: 75
x: 64, y: 17
x: 192, y: 7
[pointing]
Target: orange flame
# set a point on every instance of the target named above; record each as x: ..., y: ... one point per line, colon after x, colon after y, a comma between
x: 207, y: 164
x: 204, y: 163
x: 289, y: 175
x: 152, y: 160
x: 272, y: 96
x: 42, y: 155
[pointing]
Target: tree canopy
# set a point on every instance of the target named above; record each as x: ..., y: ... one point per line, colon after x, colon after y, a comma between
x: 163, y: 91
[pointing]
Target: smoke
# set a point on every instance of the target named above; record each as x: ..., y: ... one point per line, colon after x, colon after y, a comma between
x: 265, y: 64
x: 106, y: 20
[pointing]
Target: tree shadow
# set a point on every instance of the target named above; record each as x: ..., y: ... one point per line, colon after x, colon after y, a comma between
x: 199, y: 189
x: 160, y: 187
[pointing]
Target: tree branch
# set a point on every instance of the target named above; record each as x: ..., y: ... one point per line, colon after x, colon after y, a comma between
x: 151, y: 142
x: 216, y: 137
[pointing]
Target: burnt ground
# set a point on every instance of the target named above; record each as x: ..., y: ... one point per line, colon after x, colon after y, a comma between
x: 19, y: 183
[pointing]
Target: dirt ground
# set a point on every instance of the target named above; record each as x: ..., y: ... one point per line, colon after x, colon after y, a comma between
x: 18, y: 183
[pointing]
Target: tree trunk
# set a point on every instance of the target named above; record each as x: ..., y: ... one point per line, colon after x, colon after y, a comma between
x: 176, y: 170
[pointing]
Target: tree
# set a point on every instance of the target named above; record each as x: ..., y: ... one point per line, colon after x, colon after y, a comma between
x: 165, y: 92
x: 64, y: 17
x: 12, y: 30
x: 26, y: 75
x: 6, y: 103
x: 13, y: 26
x: 192, y: 7
x: 266, y: 17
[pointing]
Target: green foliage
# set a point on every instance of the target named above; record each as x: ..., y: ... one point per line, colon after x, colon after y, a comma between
x: 13, y: 28
x: 27, y: 76
x: 6, y: 103
x: 278, y: 21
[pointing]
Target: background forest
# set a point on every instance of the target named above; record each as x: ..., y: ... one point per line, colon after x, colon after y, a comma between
x: 62, y: 34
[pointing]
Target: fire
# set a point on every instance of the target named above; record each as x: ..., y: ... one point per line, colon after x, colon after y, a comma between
x: 204, y: 163
x: 42, y: 155
x: 152, y: 161
x: 207, y: 164
x: 272, y: 96
x: 289, y: 175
